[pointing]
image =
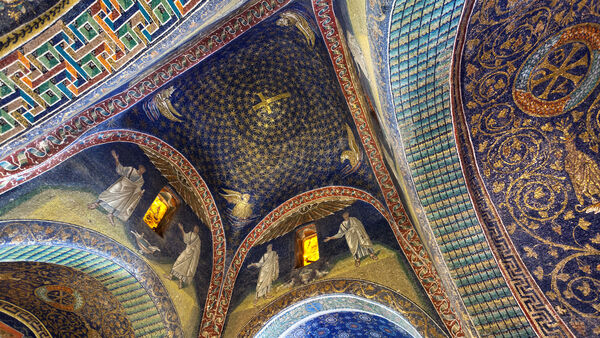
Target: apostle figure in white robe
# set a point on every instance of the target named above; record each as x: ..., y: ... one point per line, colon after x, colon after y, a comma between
x: 357, y: 238
x: 269, y: 271
x: 121, y: 198
x: 185, y: 266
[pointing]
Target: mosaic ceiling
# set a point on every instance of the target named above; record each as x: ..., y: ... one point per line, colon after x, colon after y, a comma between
x: 212, y: 167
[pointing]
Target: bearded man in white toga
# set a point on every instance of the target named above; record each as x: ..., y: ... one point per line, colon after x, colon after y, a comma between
x: 121, y: 198
x: 357, y: 238
x: 185, y: 266
x: 269, y: 271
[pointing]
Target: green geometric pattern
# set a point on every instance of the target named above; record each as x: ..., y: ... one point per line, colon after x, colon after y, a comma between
x: 421, y: 43
x: 138, y: 306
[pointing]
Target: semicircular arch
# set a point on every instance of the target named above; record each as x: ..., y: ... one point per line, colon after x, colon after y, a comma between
x: 340, y: 295
x: 186, y: 174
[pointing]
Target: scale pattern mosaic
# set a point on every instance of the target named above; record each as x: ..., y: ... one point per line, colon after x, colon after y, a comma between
x: 420, y: 57
x: 65, y: 300
x: 91, y: 245
x: 137, y: 305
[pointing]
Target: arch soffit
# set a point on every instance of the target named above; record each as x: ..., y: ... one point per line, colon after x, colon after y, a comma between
x: 184, y: 169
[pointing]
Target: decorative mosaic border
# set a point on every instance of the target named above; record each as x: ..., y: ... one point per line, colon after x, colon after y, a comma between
x: 379, y: 17
x: 404, y: 231
x: 87, y: 45
x: 419, y: 63
x: 198, y: 23
x: 40, y: 150
x: 309, y: 300
x: 297, y: 314
x: 33, y: 27
x: 63, y: 234
x: 25, y: 317
x: 540, y: 313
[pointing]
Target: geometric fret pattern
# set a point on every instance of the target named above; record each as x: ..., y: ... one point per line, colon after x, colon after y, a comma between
x: 420, y: 55
x: 138, y: 306
x: 69, y: 57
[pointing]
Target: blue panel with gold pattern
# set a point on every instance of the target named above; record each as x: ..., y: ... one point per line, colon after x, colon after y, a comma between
x: 530, y: 125
x: 347, y: 324
x: 262, y: 119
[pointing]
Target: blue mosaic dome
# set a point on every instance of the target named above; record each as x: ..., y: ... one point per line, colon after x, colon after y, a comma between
x: 347, y: 324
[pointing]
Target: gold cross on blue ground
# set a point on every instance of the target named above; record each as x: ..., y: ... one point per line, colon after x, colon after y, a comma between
x: 264, y: 103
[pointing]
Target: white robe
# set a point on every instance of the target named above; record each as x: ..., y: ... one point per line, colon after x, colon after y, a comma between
x: 123, y: 196
x: 269, y: 271
x: 357, y: 238
x: 187, y: 262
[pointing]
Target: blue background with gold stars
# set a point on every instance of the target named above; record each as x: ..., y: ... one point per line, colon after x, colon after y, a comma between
x: 272, y: 154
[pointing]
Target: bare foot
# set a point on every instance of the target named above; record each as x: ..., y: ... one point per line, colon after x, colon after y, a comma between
x: 373, y: 256
x: 357, y: 263
x: 111, y: 218
x: 93, y: 206
x: 180, y: 284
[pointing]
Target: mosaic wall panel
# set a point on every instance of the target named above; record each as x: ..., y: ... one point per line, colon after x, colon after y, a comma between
x: 92, y: 41
x: 88, y: 249
x: 420, y: 55
x: 329, y: 295
x: 137, y: 305
x: 68, y: 302
x: 347, y: 324
x: 525, y: 89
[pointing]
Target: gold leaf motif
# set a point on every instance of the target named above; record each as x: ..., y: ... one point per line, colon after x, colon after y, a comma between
x: 539, y: 193
x: 530, y: 252
x: 539, y: 272
x: 596, y: 240
x: 585, y: 137
x: 578, y: 325
x: 569, y: 215
x: 563, y: 277
x: 512, y: 228
x: 498, y: 186
x: 557, y: 228
x: 585, y: 268
x: 552, y: 296
x: 547, y: 127
x: 482, y: 146
x: 576, y: 115
x: 594, y: 148
x: 543, y: 214
x: 560, y: 309
x: 553, y: 253
x: 583, y: 224
x: 471, y: 105
x: 584, y: 288
x: 556, y: 166
x: 596, y: 330
x: 471, y: 70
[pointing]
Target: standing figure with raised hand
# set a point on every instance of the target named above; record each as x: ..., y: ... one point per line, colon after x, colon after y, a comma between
x: 269, y: 271
x: 121, y: 198
x: 357, y: 238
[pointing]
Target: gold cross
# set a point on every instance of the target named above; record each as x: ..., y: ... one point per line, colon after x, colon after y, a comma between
x: 264, y: 103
